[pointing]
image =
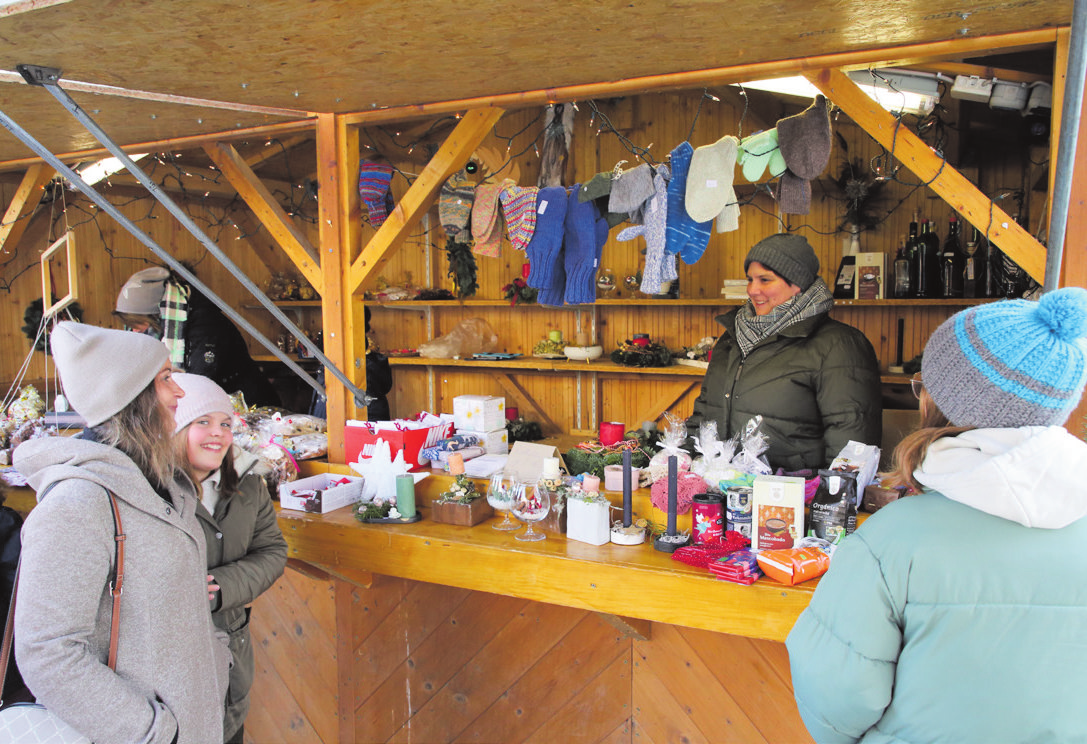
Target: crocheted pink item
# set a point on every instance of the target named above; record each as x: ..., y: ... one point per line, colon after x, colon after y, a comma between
x: 687, y: 485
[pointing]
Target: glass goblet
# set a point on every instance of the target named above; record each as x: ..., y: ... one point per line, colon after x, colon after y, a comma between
x: 503, y: 491
x: 531, y: 508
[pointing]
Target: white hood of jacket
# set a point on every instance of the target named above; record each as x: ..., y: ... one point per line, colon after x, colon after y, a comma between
x: 1033, y: 475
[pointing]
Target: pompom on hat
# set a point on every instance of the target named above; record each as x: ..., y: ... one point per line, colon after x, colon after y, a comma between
x: 202, y: 396
x: 103, y: 370
x: 788, y: 255
x: 1010, y: 363
x: 143, y: 291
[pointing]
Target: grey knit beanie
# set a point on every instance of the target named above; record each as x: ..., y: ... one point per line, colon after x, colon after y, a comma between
x: 1010, y: 363
x: 103, y: 370
x: 143, y: 291
x: 202, y: 396
x: 789, y: 256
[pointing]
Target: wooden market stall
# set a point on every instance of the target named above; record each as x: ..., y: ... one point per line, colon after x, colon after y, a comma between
x: 256, y: 124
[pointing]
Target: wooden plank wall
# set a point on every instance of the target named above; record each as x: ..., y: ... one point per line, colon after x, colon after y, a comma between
x: 428, y: 663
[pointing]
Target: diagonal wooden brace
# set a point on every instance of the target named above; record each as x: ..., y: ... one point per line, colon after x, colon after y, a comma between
x: 953, y: 187
x: 462, y: 141
x: 26, y: 200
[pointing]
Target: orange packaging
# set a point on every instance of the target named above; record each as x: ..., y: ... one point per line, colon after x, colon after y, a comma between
x: 794, y: 565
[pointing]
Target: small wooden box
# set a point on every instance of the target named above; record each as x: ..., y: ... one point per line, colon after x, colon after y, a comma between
x: 465, y: 515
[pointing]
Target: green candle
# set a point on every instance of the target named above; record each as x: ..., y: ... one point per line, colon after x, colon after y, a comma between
x: 405, y: 496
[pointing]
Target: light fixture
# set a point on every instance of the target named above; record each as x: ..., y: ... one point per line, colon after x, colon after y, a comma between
x: 104, y: 168
x: 895, y: 90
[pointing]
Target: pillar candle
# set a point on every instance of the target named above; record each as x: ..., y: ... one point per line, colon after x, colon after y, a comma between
x: 512, y: 413
x: 626, y: 489
x: 456, y: 464
x: 591, y: 483
x: 611, y: 432
x: 405, y: 496
x: 673, y: 488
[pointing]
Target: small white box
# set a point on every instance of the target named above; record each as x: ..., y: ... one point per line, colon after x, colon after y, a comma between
x: 493, y: 442
x: 588, y: 521
x: 1009, y: 96
x: 331, y: 493
x: 777, y: 511
x: 479, y: 412
x: 972, y: 88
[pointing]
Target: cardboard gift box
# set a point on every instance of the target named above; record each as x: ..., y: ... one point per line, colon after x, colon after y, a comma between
x: 465, y: 515
x: 360, y: 438
x: 587, y: 521
x: 331, y: 493
x: 493, y: 442
x: 479, y: 412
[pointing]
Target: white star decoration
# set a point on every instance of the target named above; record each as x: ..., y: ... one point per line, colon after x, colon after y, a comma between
x: 379, y: 473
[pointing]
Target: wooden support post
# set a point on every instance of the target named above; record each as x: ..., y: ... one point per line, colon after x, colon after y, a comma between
x: 331, y: 152
x: 905, y: 146
x: 278, y: 223
x: 350, y: 209
x: 462, y: 141
x: 26, y: 200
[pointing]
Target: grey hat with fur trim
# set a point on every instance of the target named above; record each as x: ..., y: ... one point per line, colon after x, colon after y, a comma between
x: 789, y: 256
x: 103, y: 370
x: 143, y: 291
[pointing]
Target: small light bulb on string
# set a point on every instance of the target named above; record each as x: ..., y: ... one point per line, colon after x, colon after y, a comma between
x: 712, y: 97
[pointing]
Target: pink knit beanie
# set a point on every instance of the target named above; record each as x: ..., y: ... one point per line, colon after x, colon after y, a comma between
x: 202, y: 396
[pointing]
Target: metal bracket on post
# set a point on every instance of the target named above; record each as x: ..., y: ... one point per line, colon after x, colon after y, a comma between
x: 38, y: 75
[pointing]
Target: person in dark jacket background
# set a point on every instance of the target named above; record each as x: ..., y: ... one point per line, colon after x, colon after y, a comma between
x: 201, y: 339
x: 815, y: 381
x: 246, y: 550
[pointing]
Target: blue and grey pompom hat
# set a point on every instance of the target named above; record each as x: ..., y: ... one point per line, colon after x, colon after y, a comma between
x: 1010, y: 363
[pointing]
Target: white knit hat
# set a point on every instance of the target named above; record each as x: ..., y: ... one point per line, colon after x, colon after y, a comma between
x: 103, y: 370
x: 143, y: 291
x: 202, y: 396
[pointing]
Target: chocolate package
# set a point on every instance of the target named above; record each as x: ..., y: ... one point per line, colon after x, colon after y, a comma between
x: 834, y: 507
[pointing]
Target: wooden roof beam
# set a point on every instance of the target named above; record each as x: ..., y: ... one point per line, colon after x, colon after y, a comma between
x: 23, y: 203
x: 276, y: 221
x: 953, y: 187
x: 456, y: 150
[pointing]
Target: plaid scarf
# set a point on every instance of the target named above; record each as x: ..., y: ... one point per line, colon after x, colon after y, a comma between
x: 174, y: 310
x: 752, y: 328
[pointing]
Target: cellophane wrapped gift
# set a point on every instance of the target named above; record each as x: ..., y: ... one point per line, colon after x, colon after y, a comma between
x: 749, y: 459
x: 714, y: 462
x: 673, y: 435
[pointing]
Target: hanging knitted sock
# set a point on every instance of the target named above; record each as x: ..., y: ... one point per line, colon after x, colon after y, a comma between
x: 684, y: 236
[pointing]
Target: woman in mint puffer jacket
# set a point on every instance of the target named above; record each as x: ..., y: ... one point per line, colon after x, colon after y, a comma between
x: 960, y: 614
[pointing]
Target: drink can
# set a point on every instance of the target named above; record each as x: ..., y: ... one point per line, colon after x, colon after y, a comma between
x: 707, y: 519
x: 738, y: 509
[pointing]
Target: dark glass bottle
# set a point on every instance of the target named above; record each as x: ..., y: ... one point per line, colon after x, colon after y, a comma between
x: 993, y: 258
x: 902, y: 273
x: 951, y: 262
x: 928, y: 271
x: 973, y: 272
x: 913, y: 256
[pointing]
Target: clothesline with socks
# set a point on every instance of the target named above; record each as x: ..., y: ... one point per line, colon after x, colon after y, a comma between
x: 672, y: 206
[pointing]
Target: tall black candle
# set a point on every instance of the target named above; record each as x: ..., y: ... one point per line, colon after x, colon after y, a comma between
x: 673, y: 488
x: 626, y: 489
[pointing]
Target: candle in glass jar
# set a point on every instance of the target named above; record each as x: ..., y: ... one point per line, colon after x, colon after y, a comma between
x: 555, y: 336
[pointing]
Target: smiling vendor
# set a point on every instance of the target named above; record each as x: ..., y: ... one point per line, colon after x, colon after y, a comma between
x: 815, y: 381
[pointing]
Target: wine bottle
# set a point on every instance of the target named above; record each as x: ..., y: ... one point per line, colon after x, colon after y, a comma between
x: 913, y: 255
x: 902, y: 273
x: 928, y: 273
x: 951, y: 262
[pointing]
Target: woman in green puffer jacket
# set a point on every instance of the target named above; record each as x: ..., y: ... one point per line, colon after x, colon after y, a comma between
x: 959, y: 614
x: 246, y: 550
x: 814, y: 381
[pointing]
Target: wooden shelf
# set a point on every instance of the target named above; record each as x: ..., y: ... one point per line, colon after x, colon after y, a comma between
x: 287, y: 303
x: 277, y: 360
x: 533, y: 364
x: 645, y: 301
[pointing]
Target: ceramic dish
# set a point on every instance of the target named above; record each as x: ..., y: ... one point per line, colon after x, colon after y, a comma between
x: 583, y: 353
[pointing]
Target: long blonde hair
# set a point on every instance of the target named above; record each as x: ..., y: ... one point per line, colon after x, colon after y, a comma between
x: 910, y: 452
x: 143, y: 430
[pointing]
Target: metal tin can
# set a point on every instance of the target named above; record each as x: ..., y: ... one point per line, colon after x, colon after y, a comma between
x: 707, y: 518
x: 738, y: 509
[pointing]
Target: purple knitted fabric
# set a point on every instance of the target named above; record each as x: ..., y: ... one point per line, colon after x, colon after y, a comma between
x: 685, y: 236
x: 586, y: 233
x: 374, y: 179
x: 544, y: 250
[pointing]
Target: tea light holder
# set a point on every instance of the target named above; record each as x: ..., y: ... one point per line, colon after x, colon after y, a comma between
x: 625, y: 533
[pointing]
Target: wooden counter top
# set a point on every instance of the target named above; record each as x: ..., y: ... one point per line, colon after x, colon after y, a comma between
x: 626, y: 581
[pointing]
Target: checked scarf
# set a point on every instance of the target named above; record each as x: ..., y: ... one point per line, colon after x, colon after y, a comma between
x: 174, y: 310
x: 752, y: 328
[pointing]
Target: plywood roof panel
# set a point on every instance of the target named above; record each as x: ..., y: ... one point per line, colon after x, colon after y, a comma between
x: 349, y: 56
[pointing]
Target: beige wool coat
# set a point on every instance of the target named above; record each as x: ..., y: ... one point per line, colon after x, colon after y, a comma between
x: 172, y: 664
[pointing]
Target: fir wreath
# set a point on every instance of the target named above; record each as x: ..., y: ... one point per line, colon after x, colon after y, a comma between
x: 652, y: 355
x: 32, y: 317
x: 462, y: 267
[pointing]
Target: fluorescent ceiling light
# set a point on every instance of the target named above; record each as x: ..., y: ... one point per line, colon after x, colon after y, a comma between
x: 911, y: 93
x: 104, y: 168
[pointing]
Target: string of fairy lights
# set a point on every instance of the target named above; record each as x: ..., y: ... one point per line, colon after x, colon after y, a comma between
x: 200, y: 189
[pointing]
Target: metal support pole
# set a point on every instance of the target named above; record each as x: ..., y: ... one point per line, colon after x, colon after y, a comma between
x: 1066, y: 148
x: 48, y: 79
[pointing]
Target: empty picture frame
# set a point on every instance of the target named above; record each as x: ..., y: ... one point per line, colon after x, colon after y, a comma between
x: 48, y: 311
